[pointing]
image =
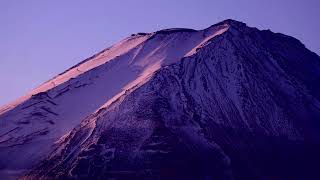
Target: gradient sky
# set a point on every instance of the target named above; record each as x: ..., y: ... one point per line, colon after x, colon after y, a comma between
x: 41, y: 38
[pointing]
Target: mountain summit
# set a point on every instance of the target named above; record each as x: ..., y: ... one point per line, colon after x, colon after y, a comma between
x: 226, y: 102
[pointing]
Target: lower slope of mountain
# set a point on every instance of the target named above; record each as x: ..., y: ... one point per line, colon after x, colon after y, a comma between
x: 227, y: 102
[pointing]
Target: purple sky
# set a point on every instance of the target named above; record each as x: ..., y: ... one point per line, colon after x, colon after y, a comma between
x: 41, y: 38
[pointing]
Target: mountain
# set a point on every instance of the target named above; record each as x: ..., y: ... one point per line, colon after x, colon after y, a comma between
x: 226, y: 102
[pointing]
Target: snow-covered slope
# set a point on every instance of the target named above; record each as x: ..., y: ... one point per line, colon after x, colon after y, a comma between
x: 226, y: 102
x: 40, y: 118
x: 245, y: 105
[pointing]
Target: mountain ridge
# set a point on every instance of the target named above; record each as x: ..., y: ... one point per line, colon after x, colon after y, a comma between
x: 174, y: 88
x: 110, y: 122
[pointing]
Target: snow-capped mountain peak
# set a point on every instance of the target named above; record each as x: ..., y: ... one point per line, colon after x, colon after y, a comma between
x: 165, y: 95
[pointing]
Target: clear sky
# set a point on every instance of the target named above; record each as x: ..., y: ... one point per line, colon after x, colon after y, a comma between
x: 41, y: 38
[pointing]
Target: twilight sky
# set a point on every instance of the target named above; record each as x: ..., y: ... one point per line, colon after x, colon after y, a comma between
x: 41, y: 38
